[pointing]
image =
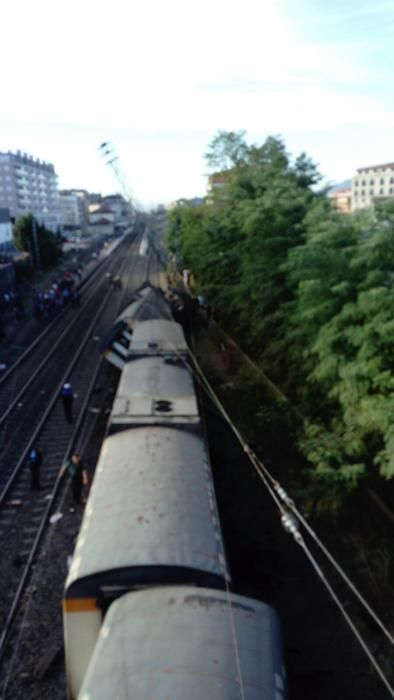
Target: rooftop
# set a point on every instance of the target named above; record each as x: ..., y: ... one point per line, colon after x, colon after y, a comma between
x: 20, y: 158
x: 382, y: 166
x: 340, y: 187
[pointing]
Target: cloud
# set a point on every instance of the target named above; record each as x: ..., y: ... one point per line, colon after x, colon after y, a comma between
x: 160, y: 78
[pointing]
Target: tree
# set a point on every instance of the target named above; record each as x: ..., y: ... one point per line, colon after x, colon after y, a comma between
x: 25, y: 238
x: 310, y: 293
x: 343, y: 318
x: 226, y: 150
x: 238, y: 242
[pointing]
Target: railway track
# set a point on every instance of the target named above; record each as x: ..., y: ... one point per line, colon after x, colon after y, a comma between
x: 30, y: 330
x: 27, y: 392
x: 26, y: 363
x: 23, y: 513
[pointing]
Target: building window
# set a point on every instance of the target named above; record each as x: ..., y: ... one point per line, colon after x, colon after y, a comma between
x: 372, y: 182
x: 371, y: 192
x: 356, y: 183
x: 391, y: 190
x: 382, y: 181
x: 381, y: 191
x: 363, y: 193
x: 391, y: 180
x: 363, y: 183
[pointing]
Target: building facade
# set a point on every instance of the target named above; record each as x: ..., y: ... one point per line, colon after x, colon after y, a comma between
x: 120, y: 207
x: 5, y: 230
x: 69, y: 208
x: 83, y: 204
x: 101, y: 220
x: 29, y: 186
x: 341, y: 197
x: 372, y: 184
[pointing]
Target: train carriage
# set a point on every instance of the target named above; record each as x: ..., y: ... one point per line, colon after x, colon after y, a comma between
x: 155, y: 390
x: 150, y: 534
x: 185, y: 642
x: 151, y: 518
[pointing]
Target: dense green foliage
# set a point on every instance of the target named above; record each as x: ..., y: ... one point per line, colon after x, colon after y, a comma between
x: 44, y: 246
x: 309, y: 292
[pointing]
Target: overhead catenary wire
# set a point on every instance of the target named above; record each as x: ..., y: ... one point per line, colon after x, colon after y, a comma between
x: 235, y: 641
x: 290, y: 505
x: 285, y: 504
x: 341, y: 572
x: 243, y: 442
x: 348, y: 619
x: 228, y: 594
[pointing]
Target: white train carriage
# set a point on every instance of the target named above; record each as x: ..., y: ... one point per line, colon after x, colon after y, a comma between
x: 148, y: 302
x: 147, y: 323
x: 150, y: 337
x: 151, y: 519
x: 193, y: 643
x: 151, y: 523
x: 155, y: 390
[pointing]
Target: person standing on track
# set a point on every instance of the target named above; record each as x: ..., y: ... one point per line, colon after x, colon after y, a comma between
x: 67, y: 399
x: 79, y: 476
x: 35, y: 461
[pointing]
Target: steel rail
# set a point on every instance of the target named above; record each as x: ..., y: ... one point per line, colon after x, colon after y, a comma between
x: 11, y: 618
x: 52, y: 401
x: 73, y: 323
x: 86, y: 283
x: 41, y: 527
x: 56, y: 487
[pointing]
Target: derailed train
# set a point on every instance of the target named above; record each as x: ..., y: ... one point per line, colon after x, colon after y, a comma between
x: 148, y: 607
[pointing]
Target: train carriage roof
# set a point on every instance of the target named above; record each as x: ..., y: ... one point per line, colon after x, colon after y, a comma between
x: 152, y: 504
x: 156, y: 388
x: 193, y: 643
x: 148, y: 303
x: 145, y: 326
x: 158, y: 335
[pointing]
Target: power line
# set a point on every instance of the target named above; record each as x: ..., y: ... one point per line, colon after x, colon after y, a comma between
x: 291, y: 522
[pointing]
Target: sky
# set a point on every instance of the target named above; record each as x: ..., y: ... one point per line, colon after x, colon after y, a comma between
x: 158, y: 79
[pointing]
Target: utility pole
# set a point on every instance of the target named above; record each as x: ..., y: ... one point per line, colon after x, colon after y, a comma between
x: 36, y: 245
x: 177, y: 227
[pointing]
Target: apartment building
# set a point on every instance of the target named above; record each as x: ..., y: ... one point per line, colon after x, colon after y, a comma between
x: 372, y: 184
x: 29, y: 186
x: 5, y: 230
x: 69, y: 210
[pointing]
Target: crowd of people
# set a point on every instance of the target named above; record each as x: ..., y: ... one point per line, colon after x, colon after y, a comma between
x: 62, y: 291
x: 46, y: 303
